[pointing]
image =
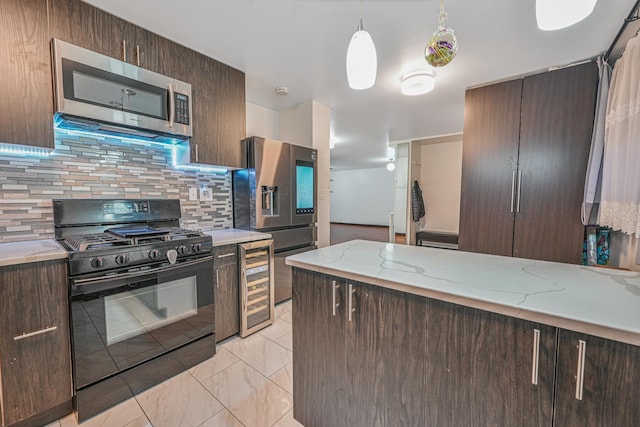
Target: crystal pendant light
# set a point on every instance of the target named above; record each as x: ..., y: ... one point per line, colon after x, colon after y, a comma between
x: 443, y: 46
x: 556, y: 14
x: 362, y: 61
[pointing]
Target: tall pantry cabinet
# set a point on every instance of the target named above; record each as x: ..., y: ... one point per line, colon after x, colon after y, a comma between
x: 525, y: 152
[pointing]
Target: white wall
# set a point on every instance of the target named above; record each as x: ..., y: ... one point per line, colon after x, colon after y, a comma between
x: 440, y: 179
x: 296, y: 124
x: 308, y: 124
x: 362, y: 196
x: 400, y: 192
x: 261, y: 121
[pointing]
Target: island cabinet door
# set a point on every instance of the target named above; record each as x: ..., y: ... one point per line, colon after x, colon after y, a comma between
x: 598, y: 382
x: 487, y: 369
x: 386, y: 348
x: 319, y: 365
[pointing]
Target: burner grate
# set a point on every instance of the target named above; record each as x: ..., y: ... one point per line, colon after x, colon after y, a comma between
x: 95, y: 241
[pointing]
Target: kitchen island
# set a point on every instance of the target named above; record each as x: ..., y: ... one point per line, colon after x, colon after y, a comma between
x: 390, y: 334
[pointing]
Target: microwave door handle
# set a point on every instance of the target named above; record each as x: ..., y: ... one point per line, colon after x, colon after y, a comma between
x: 172, y: 105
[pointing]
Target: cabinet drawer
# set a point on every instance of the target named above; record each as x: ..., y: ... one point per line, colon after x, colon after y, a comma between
x: 224, y: 255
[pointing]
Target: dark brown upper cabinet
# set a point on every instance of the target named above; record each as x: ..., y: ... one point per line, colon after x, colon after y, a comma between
x: 525, y: 151
x: 219, y: 113
x: 25, y: 66
x: 27, y: 27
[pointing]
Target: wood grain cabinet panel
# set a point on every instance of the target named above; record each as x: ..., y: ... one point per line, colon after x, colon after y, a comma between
x: 489, y: 161
x: 227, y: 299
x: 219, y: 113
x: 555, y: 139
x: 386, y: 357
x: 364, y: 368
x: 86, y: 26
x: 525, y: 152
x: 36, y: 368
x: 26, y: 88
x: 481, y: 368
x: 319, y: 350
x: 611, y: 382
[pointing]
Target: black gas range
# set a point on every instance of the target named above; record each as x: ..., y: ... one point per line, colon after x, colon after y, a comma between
x: 141, y: 296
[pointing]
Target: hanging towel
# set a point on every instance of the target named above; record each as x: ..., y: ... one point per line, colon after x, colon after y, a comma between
x: 620, y: 199
x: 417, y: 203
x: 593, y: 179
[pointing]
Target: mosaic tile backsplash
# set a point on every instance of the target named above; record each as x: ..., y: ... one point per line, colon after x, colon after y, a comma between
x: 87, y: 167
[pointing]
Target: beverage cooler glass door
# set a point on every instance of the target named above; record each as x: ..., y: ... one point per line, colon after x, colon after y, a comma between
x: 256, y: 286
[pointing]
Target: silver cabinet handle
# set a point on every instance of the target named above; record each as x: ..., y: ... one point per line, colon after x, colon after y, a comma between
x: 351, y: 308
x: 519, y: 189
x: 138, y: 55
x: 536, y: 357
x: 582, y: 351
x: 33, y: 334
x: 226, y: 255
x: 335, y: 304
x: 124, y: 50
x: 513, y: 188
x: 197, y: 153
x: 217, y: 279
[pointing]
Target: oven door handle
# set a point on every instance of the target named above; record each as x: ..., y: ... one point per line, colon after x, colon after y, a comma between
x: 98, y: 280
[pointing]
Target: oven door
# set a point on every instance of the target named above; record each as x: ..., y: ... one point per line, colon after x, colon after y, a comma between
x: 122, y: 321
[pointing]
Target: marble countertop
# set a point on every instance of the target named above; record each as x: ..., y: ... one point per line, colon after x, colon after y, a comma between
x: 30, y: 251
x: 597, y: 301
x: 233, y: 235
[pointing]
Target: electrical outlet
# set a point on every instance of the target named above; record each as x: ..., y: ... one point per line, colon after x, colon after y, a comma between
x: 206, y: 194
x: 193, y: 193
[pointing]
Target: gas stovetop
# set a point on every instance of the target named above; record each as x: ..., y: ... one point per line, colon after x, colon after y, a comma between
x: 111, y: 236
x: 122, y: 249
x: 127, y: 236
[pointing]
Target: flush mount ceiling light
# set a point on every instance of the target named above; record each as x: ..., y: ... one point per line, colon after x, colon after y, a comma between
x: 417, y: 83
x: 362, y: 61
x: 391, y: 154
x: 556, y: 14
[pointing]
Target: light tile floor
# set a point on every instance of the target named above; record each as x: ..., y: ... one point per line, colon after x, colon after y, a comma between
x: 247, y: 383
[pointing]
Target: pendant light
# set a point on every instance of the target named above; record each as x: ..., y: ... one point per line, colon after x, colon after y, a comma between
x: 556, y: 14
x: 443, y: 46
x: 362, y: 61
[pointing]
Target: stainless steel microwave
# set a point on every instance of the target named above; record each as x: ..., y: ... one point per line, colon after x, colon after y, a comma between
x: 103, y: 94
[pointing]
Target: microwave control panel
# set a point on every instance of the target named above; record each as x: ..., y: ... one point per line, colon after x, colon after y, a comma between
x: 182, y: 108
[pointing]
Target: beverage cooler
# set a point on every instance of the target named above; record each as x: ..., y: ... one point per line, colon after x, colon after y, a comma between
x: 257, y: 297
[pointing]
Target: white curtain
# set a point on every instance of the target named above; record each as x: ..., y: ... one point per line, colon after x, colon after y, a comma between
x: 593, y: 180
x: 620, y: 201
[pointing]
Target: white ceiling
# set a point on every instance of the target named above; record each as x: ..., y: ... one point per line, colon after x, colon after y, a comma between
x: 302, y: 44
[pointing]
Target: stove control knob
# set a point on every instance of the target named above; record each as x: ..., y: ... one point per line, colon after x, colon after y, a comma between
x: 182, y: 250
x: 122, y: 259
x: 97, y: 262
x: 154, y: 253
x: 197, y: 247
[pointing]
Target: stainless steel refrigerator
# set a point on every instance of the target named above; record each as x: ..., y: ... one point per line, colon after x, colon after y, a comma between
x: 277, y: 193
